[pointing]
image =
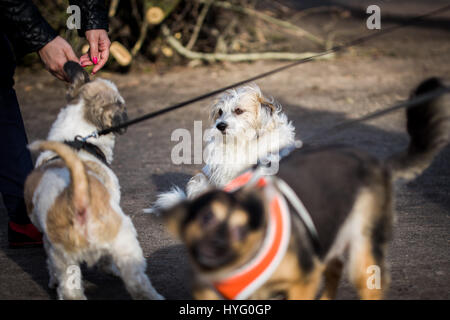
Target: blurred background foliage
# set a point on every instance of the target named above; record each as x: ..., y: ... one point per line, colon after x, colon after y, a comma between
x: 194, y: 32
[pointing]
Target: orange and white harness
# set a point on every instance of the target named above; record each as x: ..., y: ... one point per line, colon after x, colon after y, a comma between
x: 242, y: 283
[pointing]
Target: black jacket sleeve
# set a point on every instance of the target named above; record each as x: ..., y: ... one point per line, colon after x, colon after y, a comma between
x: 28, y: 31
x: 94, y: 15
x: 24, y: 26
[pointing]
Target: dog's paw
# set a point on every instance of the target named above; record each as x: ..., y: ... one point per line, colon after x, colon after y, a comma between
x: 157, y: 296
x: 71, y: 294
x: 52, y: 283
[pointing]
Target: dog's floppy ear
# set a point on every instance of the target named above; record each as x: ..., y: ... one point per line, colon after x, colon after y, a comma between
x: 77, y: 77
x: 266, y: 104
x: 214, y: 109
x: 175, y: 217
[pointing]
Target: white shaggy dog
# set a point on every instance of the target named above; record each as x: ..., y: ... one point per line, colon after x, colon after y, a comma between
x: 246, y: 127
x: 73, y: 197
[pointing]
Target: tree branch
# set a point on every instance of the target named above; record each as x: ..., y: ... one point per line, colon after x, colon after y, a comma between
x: 237, y: 57
x: 284, y: 24
x: 113, y: 8
x: 140, y: 40
x: 198, y: 24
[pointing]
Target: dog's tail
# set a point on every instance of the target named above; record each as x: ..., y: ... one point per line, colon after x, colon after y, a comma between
x: 428, y: 126
x: 79, y: 180
x: 166, y: 200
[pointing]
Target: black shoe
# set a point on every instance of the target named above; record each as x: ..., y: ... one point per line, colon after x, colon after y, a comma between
x: 23, y: 236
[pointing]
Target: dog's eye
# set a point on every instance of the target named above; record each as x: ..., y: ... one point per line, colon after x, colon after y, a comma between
x: 220, y: 112
x: 238, y: 111
x: 207, y: 218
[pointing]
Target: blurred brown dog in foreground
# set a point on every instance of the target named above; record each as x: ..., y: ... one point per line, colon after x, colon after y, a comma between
x: 247, y: 242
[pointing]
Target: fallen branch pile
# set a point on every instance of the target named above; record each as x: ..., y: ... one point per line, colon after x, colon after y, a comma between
x: 203, y: 30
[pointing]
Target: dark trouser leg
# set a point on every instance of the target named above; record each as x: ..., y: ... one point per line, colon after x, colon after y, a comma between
x: 15, y: 159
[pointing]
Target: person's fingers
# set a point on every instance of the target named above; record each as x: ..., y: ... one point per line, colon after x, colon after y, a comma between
x: 70, y: 54
x: 60, y: 75
x: 55, y: 54
x: 105, y: 52
x: 93, y: 50
x: 103, y: 59
x: 87, y: 63
x: 85, y: 60
x: 104, y: 44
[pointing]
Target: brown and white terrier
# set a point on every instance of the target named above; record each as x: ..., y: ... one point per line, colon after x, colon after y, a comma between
x: 247, y: 126
x: 73, y: 197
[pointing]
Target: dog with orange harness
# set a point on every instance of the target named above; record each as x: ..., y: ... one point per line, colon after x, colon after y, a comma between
x: 278, y: 237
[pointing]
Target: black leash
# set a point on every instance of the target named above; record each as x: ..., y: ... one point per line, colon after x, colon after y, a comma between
x: 411, y: 103
x: 335, y: 49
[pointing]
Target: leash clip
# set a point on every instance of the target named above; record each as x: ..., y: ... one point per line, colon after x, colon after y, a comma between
x: 84, y: 139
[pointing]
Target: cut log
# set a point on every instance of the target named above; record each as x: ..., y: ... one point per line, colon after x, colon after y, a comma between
x: 158, y: 10
x: 120, y: 54
x: 85, y: 49
x: 155, y: 15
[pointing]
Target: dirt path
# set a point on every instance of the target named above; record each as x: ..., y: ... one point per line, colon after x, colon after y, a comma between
x: 314, y: 95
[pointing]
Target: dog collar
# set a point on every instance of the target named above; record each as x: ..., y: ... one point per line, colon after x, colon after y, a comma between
x: 243, y: 282
x: 79, y: 144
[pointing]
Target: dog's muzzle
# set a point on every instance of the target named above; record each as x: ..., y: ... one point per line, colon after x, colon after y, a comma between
x: 222, y: 126
x: 118, y: 119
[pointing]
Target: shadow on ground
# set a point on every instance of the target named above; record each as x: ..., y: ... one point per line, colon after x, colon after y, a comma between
x: 165, y: 181
x: 357, y: 9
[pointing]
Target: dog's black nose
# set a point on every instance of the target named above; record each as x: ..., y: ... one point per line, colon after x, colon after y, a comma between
x: 222, y: 126
x: 118, y: 119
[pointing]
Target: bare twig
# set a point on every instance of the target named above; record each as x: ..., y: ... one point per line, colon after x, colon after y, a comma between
x: 237, y: 57
x: 198, y: 24
x: 314, y: 10
x: 142, y: 33
x: 135, y: 10
x: 221, y: 45
x: 113, y: 8
x: 284, y: 24
x: 140, y: 40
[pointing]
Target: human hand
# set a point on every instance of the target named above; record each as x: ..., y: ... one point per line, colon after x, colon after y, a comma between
x: 55, y: 54
x: 98, y: 54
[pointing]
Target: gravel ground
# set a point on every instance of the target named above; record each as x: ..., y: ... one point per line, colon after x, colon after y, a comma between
x: 315, y: 96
